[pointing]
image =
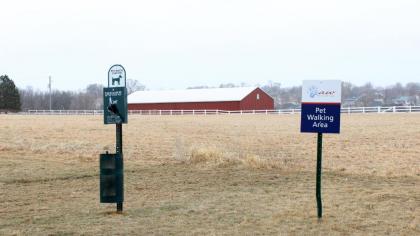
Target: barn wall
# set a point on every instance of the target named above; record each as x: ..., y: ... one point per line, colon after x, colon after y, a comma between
x: 230, y: 106
x: 250, y: 102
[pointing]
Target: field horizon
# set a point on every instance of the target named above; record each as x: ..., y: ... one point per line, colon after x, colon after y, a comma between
x: 217, y: 175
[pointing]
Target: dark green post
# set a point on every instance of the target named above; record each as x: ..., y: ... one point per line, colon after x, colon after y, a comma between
x: 115, y: 112
x: 318, y: 175
x: 119, y: 145
x: 119, y: 150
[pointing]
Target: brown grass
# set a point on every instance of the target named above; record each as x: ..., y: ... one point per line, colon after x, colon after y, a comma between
x: 214, y: 175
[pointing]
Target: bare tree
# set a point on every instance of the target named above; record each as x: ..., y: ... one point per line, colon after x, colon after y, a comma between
x: 134, y: 85
x: 274, y: 90
x: 94, y: 94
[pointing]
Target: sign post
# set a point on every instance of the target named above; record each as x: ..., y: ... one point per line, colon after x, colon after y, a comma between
x: 321, y: 110
x: 115, y: 112
x: 318, y: 175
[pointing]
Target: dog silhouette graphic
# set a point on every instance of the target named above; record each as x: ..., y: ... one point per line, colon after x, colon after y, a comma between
x: 116, y: 80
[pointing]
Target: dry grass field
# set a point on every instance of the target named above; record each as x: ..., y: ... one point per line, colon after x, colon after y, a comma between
x: 211, y: 175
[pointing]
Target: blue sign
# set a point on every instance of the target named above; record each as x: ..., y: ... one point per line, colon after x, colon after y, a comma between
x: 320, y: 118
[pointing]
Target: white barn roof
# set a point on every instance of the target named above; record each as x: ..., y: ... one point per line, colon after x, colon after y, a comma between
x: 190, y: 95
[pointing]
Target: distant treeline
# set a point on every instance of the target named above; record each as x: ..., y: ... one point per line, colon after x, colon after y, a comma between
x: 87, y: 99
x: 352, y: 95
x: 287, y: 97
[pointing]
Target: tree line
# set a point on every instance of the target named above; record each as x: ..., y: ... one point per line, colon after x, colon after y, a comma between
x: 87, y: 99
x: 90, y: 98
x: 352, y: 95
x: 284, y: 97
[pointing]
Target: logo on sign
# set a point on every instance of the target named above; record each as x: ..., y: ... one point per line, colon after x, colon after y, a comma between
x: 314, y: 92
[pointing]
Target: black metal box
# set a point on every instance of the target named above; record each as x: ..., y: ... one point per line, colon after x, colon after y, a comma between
x: 111, y: 178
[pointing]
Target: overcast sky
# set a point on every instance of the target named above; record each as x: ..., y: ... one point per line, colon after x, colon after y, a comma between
x: 173, y: 44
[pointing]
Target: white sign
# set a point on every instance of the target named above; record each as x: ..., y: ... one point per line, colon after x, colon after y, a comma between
x: 321, y: 91
x: 116, y: 76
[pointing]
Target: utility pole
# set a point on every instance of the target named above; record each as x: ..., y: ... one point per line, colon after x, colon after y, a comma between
x: 49, y: 86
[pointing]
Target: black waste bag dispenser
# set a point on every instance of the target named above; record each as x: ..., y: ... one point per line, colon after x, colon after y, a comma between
x: 111, y: 178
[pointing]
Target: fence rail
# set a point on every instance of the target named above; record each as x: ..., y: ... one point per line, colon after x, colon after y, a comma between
x: 63, y: 112
x: 348, y: 110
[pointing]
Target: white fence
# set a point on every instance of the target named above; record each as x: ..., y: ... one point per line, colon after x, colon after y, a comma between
x: 63, y: 112
x: 348, y: 110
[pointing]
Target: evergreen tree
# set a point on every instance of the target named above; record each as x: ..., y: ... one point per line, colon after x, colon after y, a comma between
x: 9, y: 95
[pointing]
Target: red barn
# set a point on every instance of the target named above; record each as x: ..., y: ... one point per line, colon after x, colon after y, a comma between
x: 231, y: 99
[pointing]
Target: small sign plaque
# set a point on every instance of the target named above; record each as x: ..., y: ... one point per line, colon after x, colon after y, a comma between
x: 116, y: 76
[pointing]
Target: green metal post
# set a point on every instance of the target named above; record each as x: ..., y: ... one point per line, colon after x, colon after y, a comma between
x: 318, y: 175
x: 119, y: 146
x: 119, y: 149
